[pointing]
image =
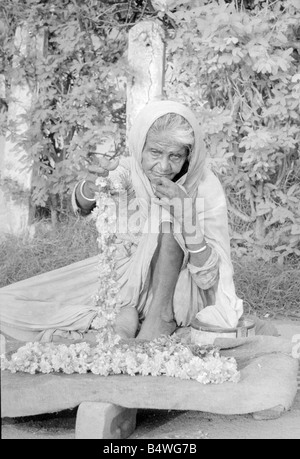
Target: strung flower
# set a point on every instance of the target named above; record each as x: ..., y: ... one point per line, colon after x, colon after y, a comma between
x: 164, y: 5
x: 164, y: 356
x: 107, y: 298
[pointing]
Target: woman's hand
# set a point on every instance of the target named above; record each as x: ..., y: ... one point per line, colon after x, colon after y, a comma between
x: 182, y: 207
x: 173, y: 198
x: 100, y: 167
x: 165, y: 188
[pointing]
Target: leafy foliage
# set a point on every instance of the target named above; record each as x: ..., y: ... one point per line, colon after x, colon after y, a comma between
x: 236, y: 63
x: 80, y: 79
x: 240, y: 71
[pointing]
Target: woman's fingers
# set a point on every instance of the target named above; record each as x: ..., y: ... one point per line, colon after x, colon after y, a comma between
x: 98, y: 171
x: 164, y: 202
x: 101, y: 165
x: 167, y: 188
x: 164, y: 187
x: 160, y: 194
x: 164, y: 181
x: 108, y: 163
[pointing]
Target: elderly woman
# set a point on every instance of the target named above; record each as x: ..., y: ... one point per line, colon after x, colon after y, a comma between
x: 179, y: 263
x: 172, y: 275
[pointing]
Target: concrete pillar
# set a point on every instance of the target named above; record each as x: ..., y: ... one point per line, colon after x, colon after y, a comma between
x: 146, y: 57
x: 15, y: 209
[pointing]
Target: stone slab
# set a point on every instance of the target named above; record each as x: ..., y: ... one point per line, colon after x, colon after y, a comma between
x: 266, y: 381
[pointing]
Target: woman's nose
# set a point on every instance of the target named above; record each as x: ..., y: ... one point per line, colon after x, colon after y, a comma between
x: 164, y: 165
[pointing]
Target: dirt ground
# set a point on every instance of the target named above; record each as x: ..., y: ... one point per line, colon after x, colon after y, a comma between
x: 172, y: 424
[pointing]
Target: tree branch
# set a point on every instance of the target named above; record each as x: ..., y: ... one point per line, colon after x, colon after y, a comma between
x: 245, y: 218
x: 289, y: 44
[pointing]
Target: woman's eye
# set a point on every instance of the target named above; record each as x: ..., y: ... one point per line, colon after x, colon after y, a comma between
x: 176, y: 157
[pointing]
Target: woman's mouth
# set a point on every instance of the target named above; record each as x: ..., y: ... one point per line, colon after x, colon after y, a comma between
x: 161, y: 175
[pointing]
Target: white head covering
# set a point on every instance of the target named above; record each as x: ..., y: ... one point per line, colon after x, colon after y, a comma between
x: 137, y: 139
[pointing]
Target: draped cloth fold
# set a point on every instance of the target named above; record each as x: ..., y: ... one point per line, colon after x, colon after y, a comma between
x: 60, y: 303
x: 51, y: 304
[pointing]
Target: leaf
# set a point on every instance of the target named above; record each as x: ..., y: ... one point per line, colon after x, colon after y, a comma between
x: 293, y: 188
x: 295, y: 230
x: 295, y: 3
x: 296, y: 78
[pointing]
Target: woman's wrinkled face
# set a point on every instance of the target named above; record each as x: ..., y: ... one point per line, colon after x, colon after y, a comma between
x: 159, y: 160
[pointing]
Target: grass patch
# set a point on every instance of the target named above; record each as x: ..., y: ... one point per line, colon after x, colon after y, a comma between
x: 266, y: 288
x: 49, y: 249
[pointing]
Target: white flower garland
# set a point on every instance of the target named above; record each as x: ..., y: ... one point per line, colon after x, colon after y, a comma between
x: 107, y: 298
x: 165, y: 356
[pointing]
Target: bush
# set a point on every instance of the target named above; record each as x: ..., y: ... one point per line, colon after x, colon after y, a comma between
x: 240, y: 71
x: 238, y: 68
x: 80, y: 80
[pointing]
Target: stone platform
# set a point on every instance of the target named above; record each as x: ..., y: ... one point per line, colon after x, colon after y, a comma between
x: 107, y: 405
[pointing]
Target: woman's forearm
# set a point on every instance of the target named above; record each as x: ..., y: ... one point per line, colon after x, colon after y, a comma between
x: 84, y: 193
x: 203, y: 251
x: 195, y: 242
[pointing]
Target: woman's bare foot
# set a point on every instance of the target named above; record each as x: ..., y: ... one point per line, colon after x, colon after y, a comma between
x: 127, y: 322
x: 154, y: 327
x: 90, y: 337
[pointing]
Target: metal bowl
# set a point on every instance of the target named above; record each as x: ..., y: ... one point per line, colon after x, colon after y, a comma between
x: 202, y: 333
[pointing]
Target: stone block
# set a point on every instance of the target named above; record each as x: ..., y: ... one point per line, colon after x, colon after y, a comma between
x: 97, y: 420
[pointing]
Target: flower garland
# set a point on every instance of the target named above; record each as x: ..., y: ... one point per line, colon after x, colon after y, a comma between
x: 166, y: 356
x: 107, y: 298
